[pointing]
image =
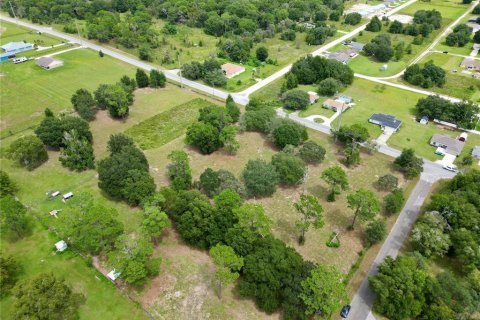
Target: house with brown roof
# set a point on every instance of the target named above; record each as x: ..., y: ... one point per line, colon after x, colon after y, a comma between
x: 231, y: 70
x: 335, y: 105
x: 313, y: 96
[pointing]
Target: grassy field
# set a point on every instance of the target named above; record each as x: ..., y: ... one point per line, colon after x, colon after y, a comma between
x: 166, y: 126
x: 36, y: 255
x: 450, y: 9
x: 465, y: 50
x: 10, y: 32
x: 459, y: 84
x: 28, y: 89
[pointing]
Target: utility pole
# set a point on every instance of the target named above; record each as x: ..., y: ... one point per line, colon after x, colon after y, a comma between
x: 180, y: 70
x: 13, y: 11
x: 339, y: 123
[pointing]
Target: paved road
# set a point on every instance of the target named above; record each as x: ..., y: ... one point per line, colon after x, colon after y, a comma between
x: 447, y: 30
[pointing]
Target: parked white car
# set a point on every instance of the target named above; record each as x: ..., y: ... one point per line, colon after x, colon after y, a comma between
x: 451, y: 168
x: 19, y: 60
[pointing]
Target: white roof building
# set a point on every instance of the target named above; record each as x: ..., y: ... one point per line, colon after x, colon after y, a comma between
x: 113, y: 275
x: 61, y: 246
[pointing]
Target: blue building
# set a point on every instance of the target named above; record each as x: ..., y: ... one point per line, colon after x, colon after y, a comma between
x: 10, y: 49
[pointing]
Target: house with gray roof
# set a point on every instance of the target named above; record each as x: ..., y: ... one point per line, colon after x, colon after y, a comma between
x: 343, y: 55
x: 470, y: 64
x: 15, y: 47
x: 48, y: 63
x: 451, y: 145
x: 357, y: 46
x: 386, y: 121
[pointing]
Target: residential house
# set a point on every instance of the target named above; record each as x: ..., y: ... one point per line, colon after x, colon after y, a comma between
x: 343, y: 55
x: 386, y: 122
x: 48, y: 63
x: 470, y: 64
x: 10, y: 49
x: 450, y: 145
x: 335, y: 105
x: 231, y: 70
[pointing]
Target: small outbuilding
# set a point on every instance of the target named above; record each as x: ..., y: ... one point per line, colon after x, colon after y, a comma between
x: 61, y: 246
x: 48, y: 63
x: 231, y: 70
x: 67, y: 196
x: 424, y: 120
x: 313, y: 96
x: 463, y: 137
x: 476, y: 152
x: 386, y: 121
x: 113, y: 275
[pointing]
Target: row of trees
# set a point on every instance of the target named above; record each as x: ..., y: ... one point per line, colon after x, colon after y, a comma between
x: 310, y: 70
x: 463, y: 114
x: 460, y: 36
x: 209, y: 71
x: 406, y: 288
x: 428, y: 76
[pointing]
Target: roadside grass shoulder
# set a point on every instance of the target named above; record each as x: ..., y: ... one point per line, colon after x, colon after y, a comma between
x: 13, y: 33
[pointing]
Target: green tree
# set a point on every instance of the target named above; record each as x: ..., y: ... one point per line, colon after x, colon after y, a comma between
x: 312, y: 214
x: 353, y: 18
x: 215, y: 78
x: 260, y: 178
x: 118, y: 141
x: 228, y: 139
x: 387, y: 182
x: 13, y: 216
x: 7, y: 186
x: 227, y: 264
x: 287, y: 132
x: 352, y: 154
x: 116, y: 100
x: 394, y: 201
x: 45, y: 297
x: 142, y: 78
x: 83, y: 102
x: 157, y: 79
x: 409, y: 164
x: 216, y: 116
x: 154, y: 222
x: 375, y: 25
x: 399, y: 287
x: 204, y: 136
x: 429, y: 235
x: 232, y: 109
x: 132, y: 258
x: 328, y: 87
x: 252, y: 217
x: 137, y: 186
x: 261, y: 53
x: 290, y: 168
x: 28, y: 152
x: 179, y: 170
x: 291, y: 81
x: 296, y: 100
x: 9, y: 272
x: 375, y: 232
x: 365, y: 205
x: 213, y: 182
x: 78, y: 152
x: 337, y: 178
x: 311, y: 152
x: 323, y: 290
x: 92, y: 228
x: 258, y: 120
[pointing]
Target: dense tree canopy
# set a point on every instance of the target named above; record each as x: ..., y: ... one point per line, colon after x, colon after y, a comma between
x: 52, y: 129
x: 409, y: 164
x: 290, y: 168
x: 179, y: 170
x: 78, y: 152
x: 287, y: 132
x: 312, y: 152
x: 13, y: 216
x: 28, y: 152
x: 427, y: 77
x: 260, y: 178
x: 83, y: 102
x: 311, y: 70
x: 45, y: 297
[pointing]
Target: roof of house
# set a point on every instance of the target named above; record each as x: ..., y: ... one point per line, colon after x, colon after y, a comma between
x: 45, y: 62
x: 334, y: 104
x: 357, y: 46
x: 470, y: 63
x: 386, y: 120
x: 230, y: 68
x: 452, y: 146
x: 341, y: 56
x: 476, y: 152
x: 313, y: 96
x: 12, y: 46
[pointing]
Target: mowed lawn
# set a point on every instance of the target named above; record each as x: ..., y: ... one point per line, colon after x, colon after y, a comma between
x: 465, y: 50
x: 10, y: 32
x: 36, y: 255
x: 28, y: 89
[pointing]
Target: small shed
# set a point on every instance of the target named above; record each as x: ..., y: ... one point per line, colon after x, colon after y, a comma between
x: 113, y: 275
x: 463, y: 137
x: 384, y: 67
x: 313, y: 96
x: 54, y: 213
x: 61, y: 246
x: 54, y: 194
x: 49, y: 63
x: 231, y: 70
x: 476, y: 152
x: 424, y: 120
x: 67, y: 196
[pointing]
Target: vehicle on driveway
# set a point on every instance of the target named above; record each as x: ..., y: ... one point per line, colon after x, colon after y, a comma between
x: 451, y: 168
x: 445, y: 51
x: 345, y: 311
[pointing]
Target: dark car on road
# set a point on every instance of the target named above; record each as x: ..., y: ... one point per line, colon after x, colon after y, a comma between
x: 345, y: 311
